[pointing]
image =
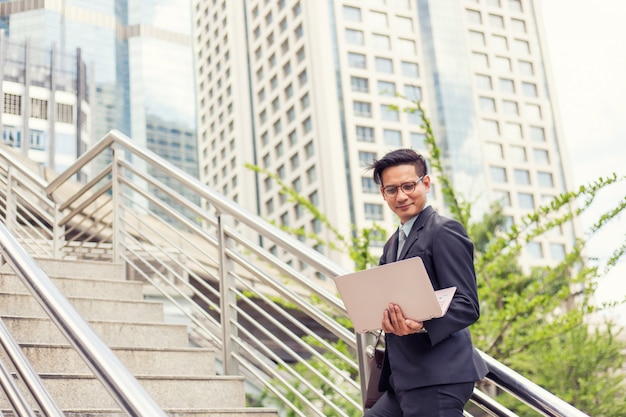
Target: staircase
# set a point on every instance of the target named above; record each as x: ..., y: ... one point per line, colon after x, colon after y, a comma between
x: 180, y: 378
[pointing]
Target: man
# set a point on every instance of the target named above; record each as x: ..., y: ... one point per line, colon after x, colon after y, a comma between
x: 430, y: 367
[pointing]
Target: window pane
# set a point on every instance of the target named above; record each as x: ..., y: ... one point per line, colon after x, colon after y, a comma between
x: 356, y: 60
x: 392, y: 138
x: 384, y: 65
x: 352, y: 14
x: 410, y: 69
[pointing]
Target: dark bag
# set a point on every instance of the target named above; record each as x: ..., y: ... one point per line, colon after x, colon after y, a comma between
x: 375, y: 366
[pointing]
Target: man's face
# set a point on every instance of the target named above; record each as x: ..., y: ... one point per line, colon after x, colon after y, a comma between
x: 406, y: 206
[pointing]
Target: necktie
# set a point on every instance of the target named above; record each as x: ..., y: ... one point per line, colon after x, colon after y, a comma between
x: 401, y: 240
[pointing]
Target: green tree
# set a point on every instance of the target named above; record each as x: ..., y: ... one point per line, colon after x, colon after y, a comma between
x: 542, y: 321
x: 538, y: 321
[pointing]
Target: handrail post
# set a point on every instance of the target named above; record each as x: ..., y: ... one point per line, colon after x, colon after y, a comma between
x: 11, y: 203
x: 57, y: 234
x: 116, y: 198
x: 228, y: 300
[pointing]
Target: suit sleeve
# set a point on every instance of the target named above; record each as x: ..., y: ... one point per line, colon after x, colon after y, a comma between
x: 453, y: 261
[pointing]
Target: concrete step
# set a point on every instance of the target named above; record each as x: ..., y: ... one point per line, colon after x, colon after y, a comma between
x: 78, y: 269
x: 78, y: 287
x: 89, y: 308
x: 87, y: 393
x: 114, y: 334
x: 63, y: 359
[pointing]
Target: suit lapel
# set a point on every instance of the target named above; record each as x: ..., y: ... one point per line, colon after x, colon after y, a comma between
x: 414, y: 233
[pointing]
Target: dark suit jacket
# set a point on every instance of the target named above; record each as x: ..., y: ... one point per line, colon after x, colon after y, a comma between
x: 445, y: 354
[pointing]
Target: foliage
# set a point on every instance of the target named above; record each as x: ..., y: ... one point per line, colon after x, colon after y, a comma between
x: 357, y: 245
x: 536, y: 320
x: 540, y: 320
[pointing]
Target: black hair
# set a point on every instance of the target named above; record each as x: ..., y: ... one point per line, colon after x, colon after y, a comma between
x: 399, y: 157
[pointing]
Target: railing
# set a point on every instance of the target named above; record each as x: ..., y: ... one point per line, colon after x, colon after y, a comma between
x: 124, y: 388
x: 243, y: 285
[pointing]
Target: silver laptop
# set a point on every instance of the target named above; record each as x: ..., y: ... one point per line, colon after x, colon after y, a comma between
x: 367, y: 293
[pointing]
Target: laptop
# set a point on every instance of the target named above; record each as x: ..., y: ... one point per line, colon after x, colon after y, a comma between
x: 367, y: 293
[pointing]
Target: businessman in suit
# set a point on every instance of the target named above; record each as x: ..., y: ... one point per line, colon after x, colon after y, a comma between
x: 430, y: 367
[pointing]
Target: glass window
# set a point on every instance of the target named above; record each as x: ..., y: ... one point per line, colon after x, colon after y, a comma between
x: 513, y: 131
x: 356, y: 60
x: 526, y: 68
x: 502, y: 197
x: 534, y: 250
x: 392, y: 138
x: 526, y: 201
x: 418, y: 140
x: 499, y: 43
x: 378, y: 20
x: 532, y: 111
x: 305, y: 102
x: 518, y: 26
x: 412, y: 92
x: 483, y: 82
x: 498, y: 174
x: 403, y: 24
x: 521, y: 47
x: 366, y: 158
x: 386, y: 88
x: 368, y: 185
x: 293, y: 137
x: 354, y: 37
x: 365, y: 134
x: 522, y: 177
x: 311, y: 174
x: 352, y: 14
x: 496, y: 21
x: 545, y: 179
x: 307, y: 125
x: 557, y: 251
x: 510, y: 107
x: 288, y: 91
x: 487, y: 104
x: 389, y: 113
x: 507, y: 86
x: 381, y: 42
x: 291, y: 114
x: 491, y: 128
x: 515, y: 5
x: 529, y: 89
x: 309, y: 150
x: 373, y: 211
x: 473, y: 16
x: 362, y: 109
x: 537, y: 134
x: 494, y: 151
x: 477, y: 39
x: 406, y: 47
x: 359, y: 84
x: 541, y: 157
x: 481, y: 61
x: 503, y: 64
x: 302, y: 77
x: 384, y: 65
x: 410, y: 69
x: 518, y: 153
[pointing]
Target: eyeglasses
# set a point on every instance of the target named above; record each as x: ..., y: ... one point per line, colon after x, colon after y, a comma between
x: 407, y: 187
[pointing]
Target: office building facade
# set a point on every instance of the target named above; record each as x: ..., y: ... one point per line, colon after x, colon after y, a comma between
x: 314, y: 91
x: 139, y: 54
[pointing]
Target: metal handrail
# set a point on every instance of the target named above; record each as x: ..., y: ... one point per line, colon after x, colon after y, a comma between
x: 527, y: 391
x: 232, y: 262
x: 124, y: 388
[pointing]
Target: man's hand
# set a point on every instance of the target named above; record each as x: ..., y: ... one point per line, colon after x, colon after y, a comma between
x: 395, y: 322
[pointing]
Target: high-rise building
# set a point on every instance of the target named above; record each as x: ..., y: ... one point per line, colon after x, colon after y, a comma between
x: 139, y: 54
x: 45, y: 100
x: 309, y: 90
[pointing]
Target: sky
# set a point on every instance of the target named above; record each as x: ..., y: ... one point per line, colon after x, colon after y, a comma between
x: 585, y: 46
